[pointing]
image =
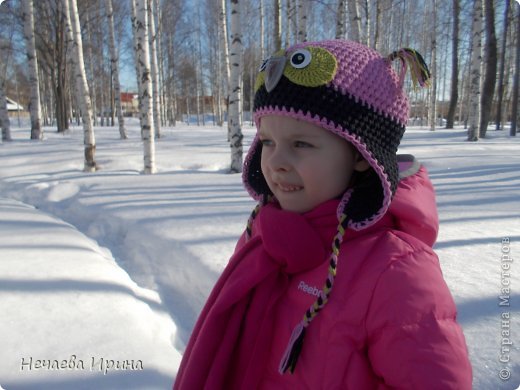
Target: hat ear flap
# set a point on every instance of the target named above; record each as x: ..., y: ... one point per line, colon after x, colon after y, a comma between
x: 419, y: 71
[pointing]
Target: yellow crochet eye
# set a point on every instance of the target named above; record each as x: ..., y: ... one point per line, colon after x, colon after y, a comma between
x: 311, y: 67
x: 301, y: 58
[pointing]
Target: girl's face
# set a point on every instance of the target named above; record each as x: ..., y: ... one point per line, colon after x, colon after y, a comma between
x: 303, y: 164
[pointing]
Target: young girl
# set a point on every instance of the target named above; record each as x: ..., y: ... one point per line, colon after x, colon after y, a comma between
x: 334, y: 284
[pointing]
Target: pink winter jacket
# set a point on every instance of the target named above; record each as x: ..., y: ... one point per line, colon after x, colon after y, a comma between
x: 390, y: 322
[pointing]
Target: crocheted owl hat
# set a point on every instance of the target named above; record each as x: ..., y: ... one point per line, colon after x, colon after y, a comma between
x: 352, y: 91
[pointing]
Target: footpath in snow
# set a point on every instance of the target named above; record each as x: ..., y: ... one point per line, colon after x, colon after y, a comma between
x: 71, y: 318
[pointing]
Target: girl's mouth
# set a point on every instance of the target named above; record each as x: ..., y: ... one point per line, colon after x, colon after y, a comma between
x: 288, y: 187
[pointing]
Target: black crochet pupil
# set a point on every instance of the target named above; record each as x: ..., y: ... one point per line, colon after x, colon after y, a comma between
x: 298, y: 59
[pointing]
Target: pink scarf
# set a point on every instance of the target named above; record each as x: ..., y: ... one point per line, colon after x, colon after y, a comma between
x: 231, y: 341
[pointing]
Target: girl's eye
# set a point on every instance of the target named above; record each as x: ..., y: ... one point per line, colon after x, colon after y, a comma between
x: 302, y: 144
x: 266, y: 142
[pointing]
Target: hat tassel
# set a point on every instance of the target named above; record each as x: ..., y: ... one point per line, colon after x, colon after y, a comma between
x: 294, y: 347
x: 419, y: 71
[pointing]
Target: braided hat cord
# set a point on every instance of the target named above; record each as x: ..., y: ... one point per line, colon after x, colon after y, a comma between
x: 252, y: 216
x: 290, y: 357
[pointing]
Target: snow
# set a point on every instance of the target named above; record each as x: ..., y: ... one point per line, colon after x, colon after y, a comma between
x: 113, y: 267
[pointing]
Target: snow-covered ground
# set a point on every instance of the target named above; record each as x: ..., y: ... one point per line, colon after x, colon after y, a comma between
x: 104, y: 273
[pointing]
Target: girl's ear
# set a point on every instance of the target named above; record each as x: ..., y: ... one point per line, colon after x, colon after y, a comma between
x: 360, y: 165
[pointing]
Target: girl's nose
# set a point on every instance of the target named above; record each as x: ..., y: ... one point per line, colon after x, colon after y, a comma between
x: 279, y: 161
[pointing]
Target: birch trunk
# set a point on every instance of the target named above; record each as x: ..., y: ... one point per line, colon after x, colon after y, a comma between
x: 5, y: 123
x: 114, y: 65
x: 74, y: 32
x: 376, y: 44
x: 235, y: 91
x: 454, y: 93
x: 340, y: 20
x: 355, y: 20
x: 475, y: 72
x: 490, y: 73
x: 217, y: 81
x: 91, y: 60
x: 136, y: 59
x: 223, y: 31
x: 516, y: 79
x: 160, y: 60
x: 35, y: 107
x: 262, y: 30
x: 368, y: 21
x: 145, y: 92
x: 154, y: 69
x: 501, y: 72
x: 200, y: 76
x: 302, y: 20
x: 432, y: 112
x: 291, y: 23
x: 277, y: 30
x: 172, y: 96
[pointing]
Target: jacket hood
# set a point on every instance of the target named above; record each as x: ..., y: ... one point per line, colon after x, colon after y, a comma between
x: 413, y: 208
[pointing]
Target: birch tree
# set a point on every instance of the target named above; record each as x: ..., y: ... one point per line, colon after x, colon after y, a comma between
x: 292, y: 22
x: 114, y: 65
x: 5, y: 123
x: 32, y: 60
x: 223, y: 32
x: 80, y: 77
x: 475, y: 72
x: 355, y: 20
x: 94, y: 76
x: 235, y: 90
x: 367, y: 32
x: 516, y: 78
x: 340, y: 20
x: 490, y: 74
x: 375, y: 45
x: 432, y: 112
x: 454, y: 92
x: 160, y: 58
x: 136, y: 58
x: 277, y: 30
x: 154, y: 69
x: 145, y: 93
x: 302, y: 20
x: 500, y: 92
x: 262, y: 30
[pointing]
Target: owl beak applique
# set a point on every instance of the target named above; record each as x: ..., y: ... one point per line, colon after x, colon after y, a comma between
x: 274, y: 71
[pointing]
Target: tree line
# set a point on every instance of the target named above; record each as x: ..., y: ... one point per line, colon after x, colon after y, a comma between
x: 67, y: 60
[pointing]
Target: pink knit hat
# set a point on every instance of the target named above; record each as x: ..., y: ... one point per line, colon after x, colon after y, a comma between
x: 350, y: 90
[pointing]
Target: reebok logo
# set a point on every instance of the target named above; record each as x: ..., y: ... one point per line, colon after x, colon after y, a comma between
x: 309, y: 289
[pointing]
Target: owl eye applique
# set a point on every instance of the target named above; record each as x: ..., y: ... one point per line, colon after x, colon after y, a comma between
x: 310, y: 67
x: 301, y: 58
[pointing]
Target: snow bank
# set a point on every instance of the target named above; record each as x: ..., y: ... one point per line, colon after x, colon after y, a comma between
x: 71, y: 317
